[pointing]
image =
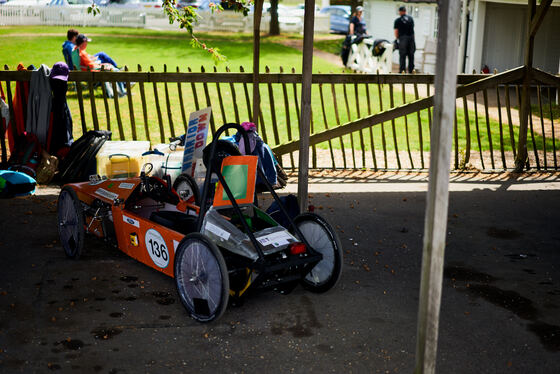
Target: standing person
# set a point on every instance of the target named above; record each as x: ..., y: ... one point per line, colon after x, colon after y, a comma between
x: 404, y: 33
x: 68, y: 46
x: 357, y: 25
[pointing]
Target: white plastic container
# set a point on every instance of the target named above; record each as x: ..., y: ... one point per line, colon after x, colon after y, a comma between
x: 171, y: 162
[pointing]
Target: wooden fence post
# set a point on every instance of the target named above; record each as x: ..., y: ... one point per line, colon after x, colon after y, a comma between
x: 534, y: 20
x: 256, y: 51
x: 435, y: 223
x: 303, y: 172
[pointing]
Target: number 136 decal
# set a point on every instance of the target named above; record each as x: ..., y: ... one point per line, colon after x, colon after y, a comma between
x: 157, y: 249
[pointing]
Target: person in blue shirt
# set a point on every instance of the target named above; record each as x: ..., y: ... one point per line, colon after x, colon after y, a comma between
x: 68, y: 46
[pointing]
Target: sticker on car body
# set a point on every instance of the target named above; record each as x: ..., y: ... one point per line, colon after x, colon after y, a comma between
x: 126, y: 186
x: 131, y: 221
x: 157, y: 249
x: 106, y: 194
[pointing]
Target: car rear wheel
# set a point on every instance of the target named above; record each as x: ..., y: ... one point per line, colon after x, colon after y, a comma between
x: 201, y: 277
x: 323, y: 239
x: 70, y: 222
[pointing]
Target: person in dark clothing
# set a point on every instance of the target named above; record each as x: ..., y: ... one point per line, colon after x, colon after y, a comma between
x: 404, y: 33
x: 62, y: 119
x: 357, y: 25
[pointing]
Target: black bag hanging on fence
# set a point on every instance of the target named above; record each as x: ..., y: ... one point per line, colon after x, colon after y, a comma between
x: 80, y: 161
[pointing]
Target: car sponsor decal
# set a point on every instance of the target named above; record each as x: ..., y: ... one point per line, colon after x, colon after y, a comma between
x: 106, y: 194
x: 157, y: 249
x: 126, y: 186
x: 131, y: 221
x: 276, y: 239
x: 134, y: 239
x: 217, y: 231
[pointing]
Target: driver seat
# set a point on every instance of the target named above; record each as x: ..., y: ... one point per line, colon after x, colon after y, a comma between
x: 177, y: 221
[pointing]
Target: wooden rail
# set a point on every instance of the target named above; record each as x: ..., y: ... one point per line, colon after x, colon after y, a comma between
x: 378, y: 121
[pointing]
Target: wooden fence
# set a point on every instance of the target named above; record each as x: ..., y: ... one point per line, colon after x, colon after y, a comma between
x: 359, y: 121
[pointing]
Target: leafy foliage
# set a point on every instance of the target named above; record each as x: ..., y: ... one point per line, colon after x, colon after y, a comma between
x: 186, y: 17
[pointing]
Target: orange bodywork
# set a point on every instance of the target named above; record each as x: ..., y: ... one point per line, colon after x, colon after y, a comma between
x: 140, y: 238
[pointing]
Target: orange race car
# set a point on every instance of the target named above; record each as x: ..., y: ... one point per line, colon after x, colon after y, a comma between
x: 214, y: 251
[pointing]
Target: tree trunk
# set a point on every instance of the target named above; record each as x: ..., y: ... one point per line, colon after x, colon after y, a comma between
x: 274, y: 24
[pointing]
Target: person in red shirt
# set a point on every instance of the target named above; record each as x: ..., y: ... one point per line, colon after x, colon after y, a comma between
x: 95, y: 62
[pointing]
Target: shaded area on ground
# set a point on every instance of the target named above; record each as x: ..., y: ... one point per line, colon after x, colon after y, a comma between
x: 109, y: 313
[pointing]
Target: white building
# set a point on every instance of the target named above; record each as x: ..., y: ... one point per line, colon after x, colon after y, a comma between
x: 495, y: 33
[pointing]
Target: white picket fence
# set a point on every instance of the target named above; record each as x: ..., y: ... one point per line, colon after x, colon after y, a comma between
x: 153, y: 18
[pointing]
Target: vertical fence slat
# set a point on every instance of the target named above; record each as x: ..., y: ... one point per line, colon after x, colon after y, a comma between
x: 504, y: 165
x: 81, y: 106
x: 247, y: 99
x: 117, y: 110
x: 362, y: 143
x: 337, y: 117
x: 393, y: 127
x: 131, y: 108
x: 288, y: 122
x: 158, y: 110
x: 194, y: 92
x: 106, y: 104
x: 349, y: 118
x: 420, y: 135
x: 313, y: 147
x: 325, y: 121
x: 552, y: 127
x: 518, y: 93
x: 478, y: 130
x: 168, y: 105
x: 372, y: 143
x: 234, y: 99
x: 488, y: 130
x: 533, y: 141
x: 220, y: 100
x: 182, y: 103
x: 296, y: 102
x: 406, y: 129
x: 92, y: 106
x: 510, y: 122
x: 429, y: 110
x: 208, y: 103
x: 456, y: 139
x: 144, y: 106
x: 542, y: 126
x: 272, y: 110
x: 12, y: 122
x: 467, y: 131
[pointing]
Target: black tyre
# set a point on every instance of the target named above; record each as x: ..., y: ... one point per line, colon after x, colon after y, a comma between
x: 71, y: 222
x: 201, y: 277
x: 186, y: 187
x: 322, y: 238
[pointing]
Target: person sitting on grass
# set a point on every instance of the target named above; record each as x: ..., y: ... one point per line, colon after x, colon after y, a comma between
x: 68, y: 46
x: 87, y: 62
x: 95, y: 62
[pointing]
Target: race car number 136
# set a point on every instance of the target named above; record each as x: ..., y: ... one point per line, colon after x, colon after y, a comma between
x: 156, y: 248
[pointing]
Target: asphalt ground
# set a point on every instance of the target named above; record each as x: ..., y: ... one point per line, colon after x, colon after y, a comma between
x: 107, y: 313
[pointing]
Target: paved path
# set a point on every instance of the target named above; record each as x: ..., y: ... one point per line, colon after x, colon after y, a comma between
x: 107, y: 313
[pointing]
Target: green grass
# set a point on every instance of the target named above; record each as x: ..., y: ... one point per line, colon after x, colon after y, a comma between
x: 155, y: 48
x: 547, y: 109
x: 330, y: 45
x: 43, y: 45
